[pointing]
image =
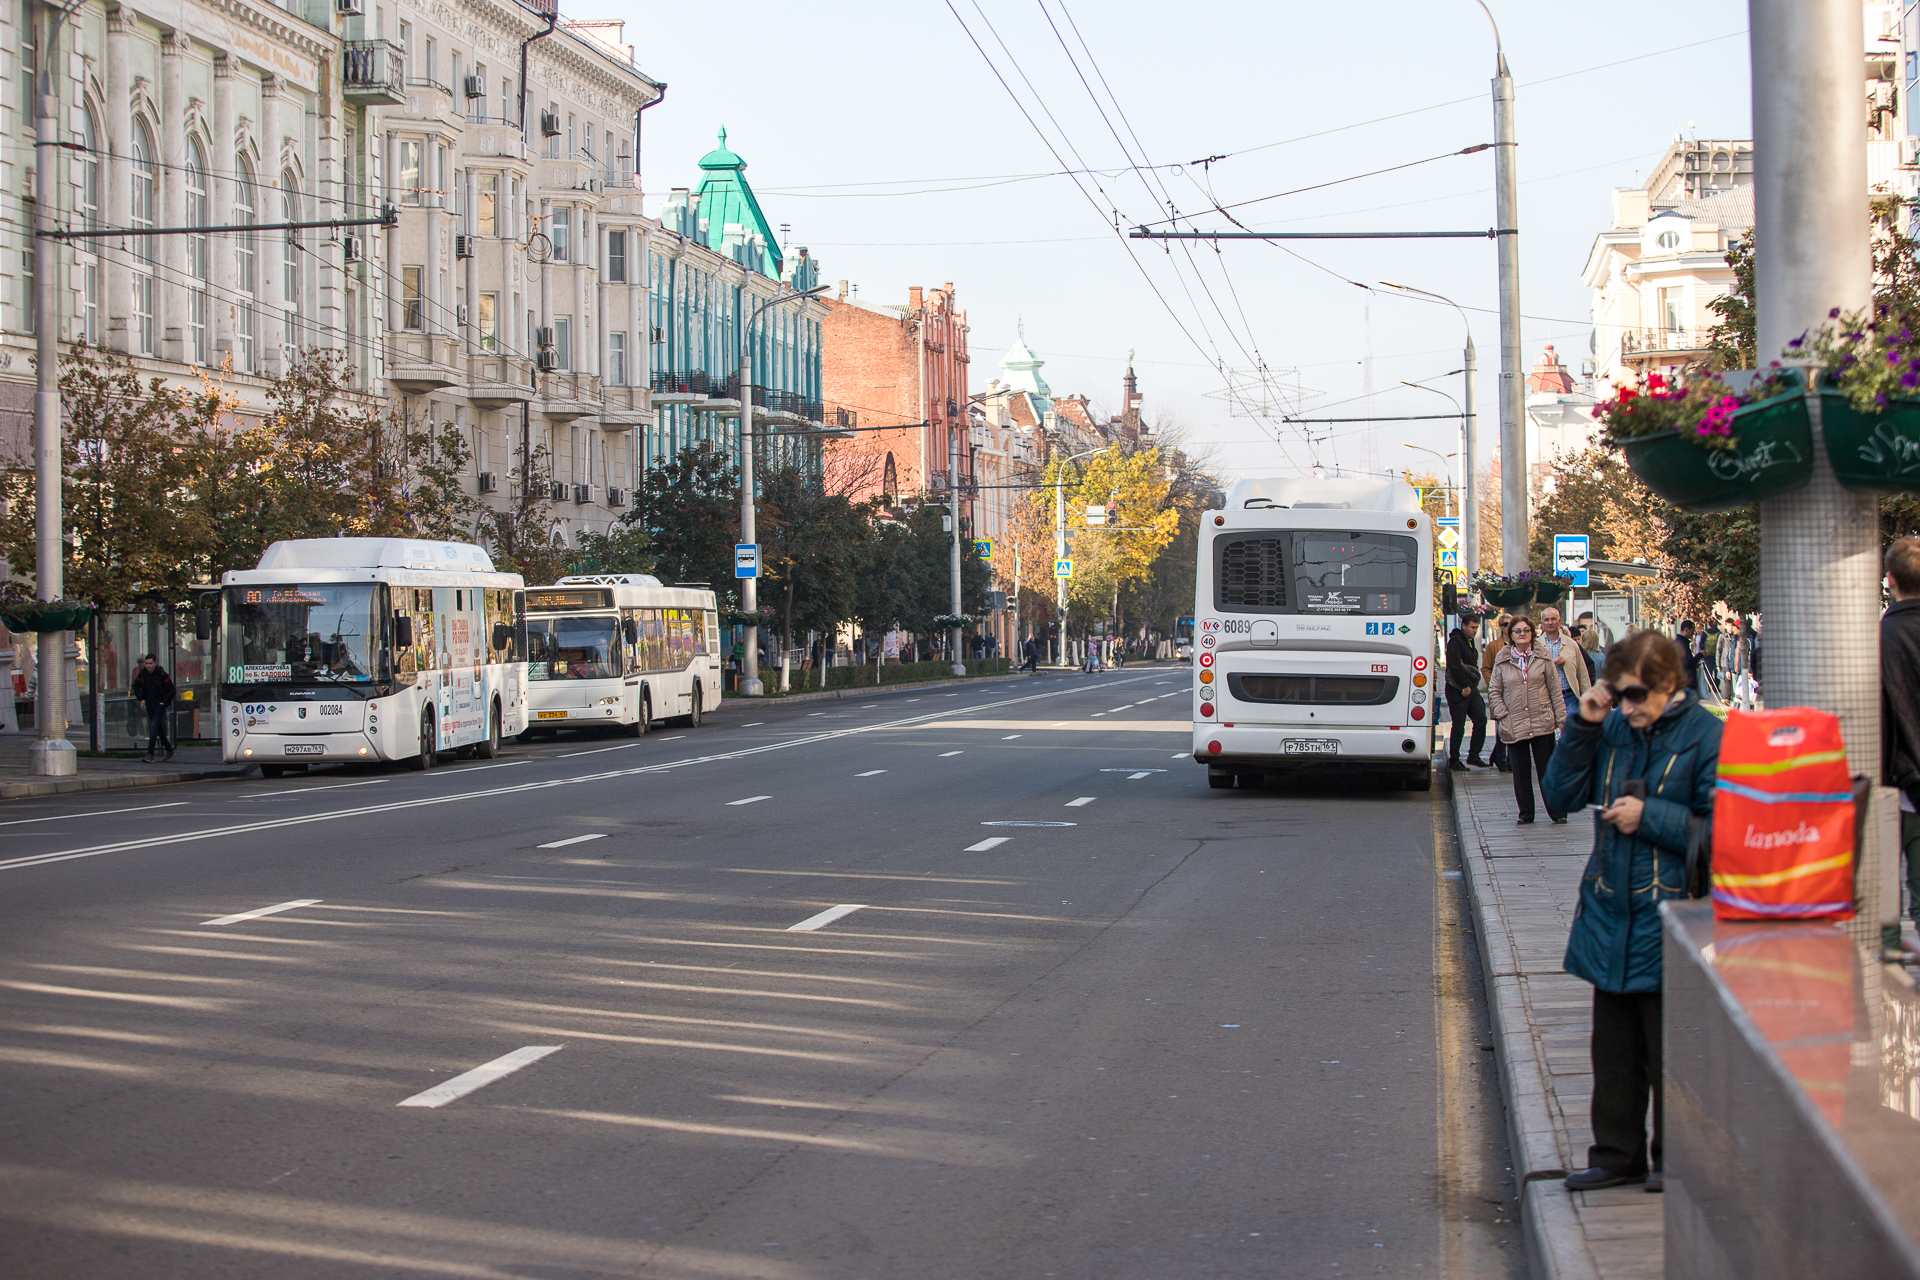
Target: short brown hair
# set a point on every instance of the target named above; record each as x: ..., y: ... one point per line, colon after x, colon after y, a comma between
x: 1903, y: 566
x: 1657, y: 659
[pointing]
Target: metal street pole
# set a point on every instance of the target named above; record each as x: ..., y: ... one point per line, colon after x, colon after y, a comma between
x: 1470, y: 504
x: 1513, y: 399
x: 959, y: 666
x: 50, y: 755
x: 750, y: 683
x: 1819, y: 546
x: 1059, y: 554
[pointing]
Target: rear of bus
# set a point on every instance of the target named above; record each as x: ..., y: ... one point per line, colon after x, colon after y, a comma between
x: 1315, y: 633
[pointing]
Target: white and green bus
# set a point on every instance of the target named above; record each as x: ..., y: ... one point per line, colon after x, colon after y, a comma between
x: 620, y: 651
x: 340, y: 650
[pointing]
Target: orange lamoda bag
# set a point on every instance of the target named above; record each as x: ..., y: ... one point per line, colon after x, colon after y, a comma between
x: 1783, y: 818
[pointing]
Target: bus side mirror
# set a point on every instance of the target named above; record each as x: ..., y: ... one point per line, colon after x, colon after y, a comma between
x: 402, y: 631
x: 502, y: 636
x: 632, y: 630
x: 202, y: 625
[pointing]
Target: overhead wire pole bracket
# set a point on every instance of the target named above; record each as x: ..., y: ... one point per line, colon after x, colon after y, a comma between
x: 389, y: 217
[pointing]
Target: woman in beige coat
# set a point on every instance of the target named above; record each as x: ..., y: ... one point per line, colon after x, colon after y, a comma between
x: 1525, y: 693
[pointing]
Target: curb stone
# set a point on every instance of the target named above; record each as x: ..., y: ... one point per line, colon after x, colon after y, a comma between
x: 104, y: 782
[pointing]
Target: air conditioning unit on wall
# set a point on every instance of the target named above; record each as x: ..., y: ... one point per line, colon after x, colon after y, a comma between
x: 476, y: 85
x: 349, y: 248
x: 463, y: 246
x: 489, y: 482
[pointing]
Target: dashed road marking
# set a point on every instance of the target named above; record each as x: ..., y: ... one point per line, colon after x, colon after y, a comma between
x: 1083, y: 800
x: 257, y: 912
x: 467, y: 1081
x: 92, y: 813
x: 945, y: 754
x: 990, y: 842
x: 1010, y: 737
x: 748, y: 800
x: 561, y: 844
x: 869, y: 773
x: 826, y: 917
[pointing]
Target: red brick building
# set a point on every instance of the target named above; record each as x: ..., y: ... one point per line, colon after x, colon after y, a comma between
x: 901, y: 367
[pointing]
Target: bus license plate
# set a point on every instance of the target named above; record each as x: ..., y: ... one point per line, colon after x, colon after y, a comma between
x: 304, y: 749
x: 552, y: 715
x: 1310, y: 746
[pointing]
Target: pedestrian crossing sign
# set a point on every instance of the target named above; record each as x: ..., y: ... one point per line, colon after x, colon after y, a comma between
x: 1449, y: 558
x: 1063, y: 568
x: 983, y: 548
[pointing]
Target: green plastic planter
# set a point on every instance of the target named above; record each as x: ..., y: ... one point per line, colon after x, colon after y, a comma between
x: 49, y: 619
x: 1552, y: 592
x: 1875, y: 452
x: 1774, y: 456
x: 1507, y: 597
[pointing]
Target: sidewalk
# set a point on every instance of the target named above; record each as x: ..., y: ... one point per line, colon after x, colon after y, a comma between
x: 188, y: 763
x: 1524, y: 883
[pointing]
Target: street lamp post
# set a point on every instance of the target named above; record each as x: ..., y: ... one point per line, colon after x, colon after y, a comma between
x: 1469, y: 448
x: 1513, y: 396
x: 750, y: 683
x: 1446, y: 468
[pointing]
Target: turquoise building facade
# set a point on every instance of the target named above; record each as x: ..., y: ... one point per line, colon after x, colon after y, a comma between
x: 712, y: 259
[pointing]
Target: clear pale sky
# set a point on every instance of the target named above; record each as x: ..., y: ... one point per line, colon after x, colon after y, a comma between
x: 879, y: 132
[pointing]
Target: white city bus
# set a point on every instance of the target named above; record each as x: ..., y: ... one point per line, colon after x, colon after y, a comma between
x: 362, y: 649
x: 1314, y: 608
x: 620, y: 650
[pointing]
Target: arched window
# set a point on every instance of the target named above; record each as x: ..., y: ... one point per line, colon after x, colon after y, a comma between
x: 290, y: 261
x: 889, y: 480
x: 246, y: 267
x: 145, y: 175
x: 89, y: 184
x: 199, y: 252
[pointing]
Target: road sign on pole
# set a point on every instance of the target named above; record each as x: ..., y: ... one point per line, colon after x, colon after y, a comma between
x: 983, y: 548
x: 746, y: 560
x: 1063, y: 568
x: 1570, y: 556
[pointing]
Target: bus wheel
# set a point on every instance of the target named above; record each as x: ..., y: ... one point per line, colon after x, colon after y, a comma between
x: 693, y: 719
x: 638, y: 729
x: 272, y: 770
x: 424, y: 760
x: 1219, y: 779
x: 491, y: 747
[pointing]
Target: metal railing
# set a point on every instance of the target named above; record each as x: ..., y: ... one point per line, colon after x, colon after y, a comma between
x: 692, y: 383
x: 1659, y: 341
x: 373, y: 67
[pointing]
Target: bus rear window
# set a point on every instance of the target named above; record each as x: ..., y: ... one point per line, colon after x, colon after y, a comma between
x: 1315, y: 572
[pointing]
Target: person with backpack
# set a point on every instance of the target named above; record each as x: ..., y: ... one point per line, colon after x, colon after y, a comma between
x: 153, y: 690
x: 1645, y: 753
x: 1464, y: 702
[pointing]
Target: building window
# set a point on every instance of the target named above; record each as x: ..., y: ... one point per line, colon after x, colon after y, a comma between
x: 617, y: 359
x: 562, y: 233
x: 410, y: 172
x: 477, y: 108
x: 1671, y: 307
x: 406, y: 48
x: 247, y: 266
x: 563, y: 342
x: 617, y: 257
x: 486, y: 220
x: 199, y: 253
x: 145, y: 208
x: 90, y: 174
x: 290, y: 261
x: 489, y: 318
x: 413, y: 308
x: 553, y: 143
x: 1668, y: 240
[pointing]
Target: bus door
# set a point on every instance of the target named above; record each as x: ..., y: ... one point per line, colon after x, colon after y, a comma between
x: 455, y: 617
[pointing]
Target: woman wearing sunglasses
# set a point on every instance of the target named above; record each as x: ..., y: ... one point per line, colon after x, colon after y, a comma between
x: 1525, y: 693
x: 1645, y: 754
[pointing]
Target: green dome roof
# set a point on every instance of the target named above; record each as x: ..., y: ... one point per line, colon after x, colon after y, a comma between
x: 721, y: 158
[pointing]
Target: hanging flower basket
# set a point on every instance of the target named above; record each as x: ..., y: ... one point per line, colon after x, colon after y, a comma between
x: 1771, y: 454
x: 1509, y: 592
x: 1507, y: 597
x: 18, y: 613
x: 1551, y: 590
x: 1878, y: 452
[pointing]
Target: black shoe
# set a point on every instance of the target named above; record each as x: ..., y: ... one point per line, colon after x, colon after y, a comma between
x: 1656, y: 1181
x: 1560, y: 821
x: 1598, y: 1179
x: 1477, y: 762
x: 1455, y: 765
x: 169, y: 756
x: 1524, y: 822
x: 1504, y: 767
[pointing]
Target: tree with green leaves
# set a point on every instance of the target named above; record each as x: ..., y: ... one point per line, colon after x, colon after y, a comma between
x: 689, y: 507
x: 522, y: 535
x: 811, y: 549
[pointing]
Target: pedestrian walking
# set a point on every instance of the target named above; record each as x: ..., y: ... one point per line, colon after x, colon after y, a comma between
x: 1589, y: 637
x: 1710, y: 658
x: 1690, y: 652
x: 1464, y: 701
x: 1574, y: 677
x: 1488, y: 657
x: 1030, y: 652
x: 1526, y: 700
x: 1645, y: 752
x: 153, y: 689
x: 1900, y: 699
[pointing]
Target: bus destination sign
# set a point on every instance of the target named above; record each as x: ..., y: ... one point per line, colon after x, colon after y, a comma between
x: 589, y: 599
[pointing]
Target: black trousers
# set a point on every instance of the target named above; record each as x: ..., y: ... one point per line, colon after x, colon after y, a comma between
x: 157, y: 728
x: 1537, y: 751
x: 1627, y: 1066
x: 1464, y: 705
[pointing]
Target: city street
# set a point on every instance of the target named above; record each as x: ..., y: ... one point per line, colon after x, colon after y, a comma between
x: 970, y: 982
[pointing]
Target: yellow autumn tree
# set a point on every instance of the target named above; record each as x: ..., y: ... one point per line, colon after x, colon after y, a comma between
x: 1109, y: 559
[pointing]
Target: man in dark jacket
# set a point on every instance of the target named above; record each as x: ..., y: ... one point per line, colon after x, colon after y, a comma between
x: 153, y: 690
x: 1900, y: 698
x: 1638, y: 725
x: 1464, y: 701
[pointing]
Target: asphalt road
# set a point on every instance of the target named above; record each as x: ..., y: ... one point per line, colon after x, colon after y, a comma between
x: 1149, y: 1030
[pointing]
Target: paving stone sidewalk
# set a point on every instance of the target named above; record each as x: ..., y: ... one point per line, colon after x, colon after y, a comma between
x: 1524, y: 883
x: 190, y: 762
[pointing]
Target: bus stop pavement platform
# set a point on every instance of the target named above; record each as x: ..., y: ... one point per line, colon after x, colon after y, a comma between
x: 190, y: 763
x: 1524, y: 883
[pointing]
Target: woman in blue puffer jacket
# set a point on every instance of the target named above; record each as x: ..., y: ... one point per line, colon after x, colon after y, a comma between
x: 1638, y: 722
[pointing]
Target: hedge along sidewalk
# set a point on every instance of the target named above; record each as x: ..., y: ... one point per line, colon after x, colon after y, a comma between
x: 862, y: 690
x: 1524, y: 883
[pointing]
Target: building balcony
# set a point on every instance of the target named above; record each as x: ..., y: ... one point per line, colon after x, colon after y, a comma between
x: 566, y: 396
x: 497, y: 381
x: 373, y: 73
x: 1649, y: 344
x: 681, y: 388
x: 624, y: 408
x: 421, y: 362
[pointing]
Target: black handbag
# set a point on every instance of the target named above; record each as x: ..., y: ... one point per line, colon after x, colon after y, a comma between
x: 1699, y: 876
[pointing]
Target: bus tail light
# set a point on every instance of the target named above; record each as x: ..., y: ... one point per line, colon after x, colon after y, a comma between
x: 1213, y: 748
x: 1419, y: 713
x: 1206, y: 710
x: 1419, y: 664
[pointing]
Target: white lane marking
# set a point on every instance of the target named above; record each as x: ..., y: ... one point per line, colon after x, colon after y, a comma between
x: 752, y: 723
x: 945, y: 754
x: 816, y: 713
x: 458, y: 770
x: 869, y: 773
x: 1144, y: 773
x: 665, y: 766
x: 1135, y: 772
x: 1075, y: 804
x: 1178, y: 755
x: 1125, y: 708
x: 989, y: 843
x: 1010, y: 737
x: 868, y: 706
x: 257, y: 912
x: 296, y: 791
x: 92, y: 813
x: 748, y: 800
x: 561, y: 844
x: 913, y: 699
x: 568, y: 755
x: 825, y: 917
x: 675, y: 738
x: 1098, y: 714
x: 467, y: 1081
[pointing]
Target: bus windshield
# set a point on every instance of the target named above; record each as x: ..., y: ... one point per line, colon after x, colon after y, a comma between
x: 573, y: 647
x: 328, y: 633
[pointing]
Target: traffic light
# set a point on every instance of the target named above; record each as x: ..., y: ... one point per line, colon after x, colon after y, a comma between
x: 1113, y: 514
x: 1449, y: 599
